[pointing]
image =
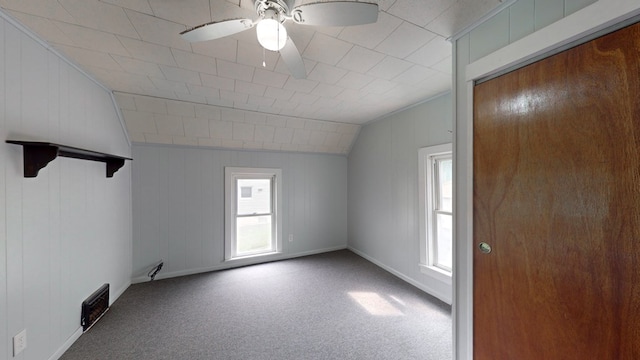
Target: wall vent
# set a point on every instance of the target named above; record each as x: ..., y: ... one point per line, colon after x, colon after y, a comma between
x: 94, y: 307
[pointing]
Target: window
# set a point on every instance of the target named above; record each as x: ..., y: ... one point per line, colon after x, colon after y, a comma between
x: 252, y: 224
x: 436, y: 211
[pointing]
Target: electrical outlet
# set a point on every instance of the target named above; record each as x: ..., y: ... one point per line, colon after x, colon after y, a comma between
x: 290, y: 237
x: 19, y: 342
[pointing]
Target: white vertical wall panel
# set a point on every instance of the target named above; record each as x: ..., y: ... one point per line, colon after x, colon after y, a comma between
x: 179, y: 191
x: 383, y: 189
x: 68, y: 230
x: 490, y: 35
x: 548, y: 12
x: 521, y: 13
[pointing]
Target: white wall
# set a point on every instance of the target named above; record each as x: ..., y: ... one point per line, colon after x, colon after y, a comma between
x: 525, y: 30
x: 67, y: 231
x: 178, y: 205
x: 383, y: 189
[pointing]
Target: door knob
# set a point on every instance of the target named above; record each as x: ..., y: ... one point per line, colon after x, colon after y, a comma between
x: 484, y: 247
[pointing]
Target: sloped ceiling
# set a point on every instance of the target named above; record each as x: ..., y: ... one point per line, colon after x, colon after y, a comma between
x: 219, y: 94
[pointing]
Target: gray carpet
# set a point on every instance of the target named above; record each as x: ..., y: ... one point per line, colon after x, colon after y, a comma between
x: 335, y: 305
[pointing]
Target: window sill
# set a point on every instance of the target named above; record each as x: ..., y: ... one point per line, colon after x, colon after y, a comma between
x: 436, y: 273
x: 254, y: 256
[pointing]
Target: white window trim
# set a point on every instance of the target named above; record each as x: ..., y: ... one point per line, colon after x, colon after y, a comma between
x: 425, y: 180
x: 230, y: 190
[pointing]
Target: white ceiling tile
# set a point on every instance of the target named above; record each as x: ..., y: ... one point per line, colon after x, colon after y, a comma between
x: 345, y: 140
x: 406, y: 39
x: 232, y: 115
x: 234, y: 71
x: 218, y: 82
x: 225, y: 48
x: 207, y: 92
x: 264, y: 133
x: 284, y: 104
x: 326, y: 49
x: 219, y: 102
x: 158, y: 31
x: 279, y: 94
x: 233, y: 96
x: 191, y: 98
x: 250, y: 88
x: 419, y: 12
x: 137, y: 5
x: 44, y: 27
x: 139, y: 122
x: 186, y: 141
x: 276, y: 121
x: 332, y: 139
x: 370, y: 35
x: 304, y: 99
x: 150, y: 105
x: 242, y: 131
x: 41, y: 8
x: 92, y: 39
x: 220, y: 129
x: 354, y: 80
x: 195, y: 62
x: 208, y: 112
x: 135, y: 66
x: 180, y: 75
x: 169, y: 124
x: 255, y: 118
x: 295, y: 123
x: 148, y: 52
x: 271, y: 146
x: 329, y: 126
x: 317, y: 137
x: 232, y: 144
x: 444, y: 66
x: 283, y: 135
x: 180, y: 108
x: 125, y: 101
x: 196, y: 13
x: 326, y: 90
x: 314, y: 125
x: 90, y: 58
x: 326, y: 74
x: 260, y: 101
x: 253, y: 145
x: 432, y: 52
x: 360, y: 60
x: 414, y: 75
x: 389, y: 68
x: 348, y: 128
x: 158, y: 139
x: 302, y: 85
x: 168, y: 85
x: 269, y: 78
x: 100, y: 15
x: 351, y: 95
x: 379, y: 86
x: 301, y: 136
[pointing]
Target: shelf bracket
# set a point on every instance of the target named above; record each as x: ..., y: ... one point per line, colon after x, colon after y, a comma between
x: 38, y: 154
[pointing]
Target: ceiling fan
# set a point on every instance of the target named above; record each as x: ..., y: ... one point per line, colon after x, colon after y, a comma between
x: 272, y: 34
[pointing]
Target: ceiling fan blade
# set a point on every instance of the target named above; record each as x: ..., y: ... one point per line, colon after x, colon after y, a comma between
x: 336, y: 13
x: 293, y: 60
x: 216, y: 29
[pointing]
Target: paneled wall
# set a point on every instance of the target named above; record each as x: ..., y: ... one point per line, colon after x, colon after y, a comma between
x: 525, y: 29
x: 383, y: 189
x: 67, y: 231
x: 178, y: 205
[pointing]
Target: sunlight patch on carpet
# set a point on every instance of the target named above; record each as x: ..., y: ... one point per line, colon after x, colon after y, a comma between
x: 375, y: 304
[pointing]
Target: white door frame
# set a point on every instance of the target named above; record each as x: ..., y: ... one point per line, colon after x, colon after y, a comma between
x: 581, y: 24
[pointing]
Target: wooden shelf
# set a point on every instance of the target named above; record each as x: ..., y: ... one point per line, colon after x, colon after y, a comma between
x: 38, y: 154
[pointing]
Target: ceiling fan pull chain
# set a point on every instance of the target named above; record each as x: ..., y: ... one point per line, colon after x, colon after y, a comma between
x: 264, y: 59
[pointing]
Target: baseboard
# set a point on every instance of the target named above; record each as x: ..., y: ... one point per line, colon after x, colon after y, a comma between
x: 234, y: 264
x: 76, y: 335
x: 429, y: 290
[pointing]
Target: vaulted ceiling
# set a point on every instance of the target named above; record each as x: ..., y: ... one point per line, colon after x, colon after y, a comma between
x: 218, y: 93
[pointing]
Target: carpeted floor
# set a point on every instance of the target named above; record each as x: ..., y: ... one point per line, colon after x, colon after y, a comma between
x: 329, y: 306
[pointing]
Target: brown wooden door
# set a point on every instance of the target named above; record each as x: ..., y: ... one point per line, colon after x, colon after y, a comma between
x: 556, y: 194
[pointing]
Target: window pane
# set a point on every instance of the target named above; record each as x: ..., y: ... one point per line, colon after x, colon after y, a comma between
x: 260, y: 200
x: 253, y: 234
x: 444, y: 243
x: 445, y: 190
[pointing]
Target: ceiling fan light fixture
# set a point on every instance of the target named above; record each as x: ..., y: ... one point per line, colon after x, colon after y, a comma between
x: 272, y: 35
